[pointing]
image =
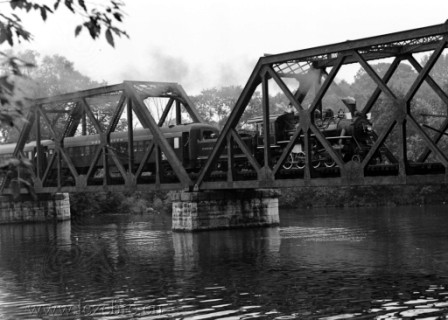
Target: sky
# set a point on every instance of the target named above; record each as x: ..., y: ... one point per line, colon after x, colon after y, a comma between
x: 203, y: 44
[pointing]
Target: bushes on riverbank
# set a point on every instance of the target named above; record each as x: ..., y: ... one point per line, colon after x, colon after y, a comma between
x: 307, y: 197
x: 364, y: 196
x: 116, y: 202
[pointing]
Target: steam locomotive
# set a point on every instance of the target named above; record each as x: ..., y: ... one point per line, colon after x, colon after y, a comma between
x: 348, y: 133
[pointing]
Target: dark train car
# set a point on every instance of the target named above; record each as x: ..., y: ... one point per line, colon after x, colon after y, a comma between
x: 29, y: 150
x: 182, y: 138
x: 205, y: 147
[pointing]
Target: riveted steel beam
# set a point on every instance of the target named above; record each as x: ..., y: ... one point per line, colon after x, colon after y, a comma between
x: 148, y: 122
x: 231, y: 123
x: 394, y: 40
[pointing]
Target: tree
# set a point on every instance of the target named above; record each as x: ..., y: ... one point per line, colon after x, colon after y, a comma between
x: 14, y: 95
x: 425, y: 102
x: 215, y: 105
x: 55, y: 75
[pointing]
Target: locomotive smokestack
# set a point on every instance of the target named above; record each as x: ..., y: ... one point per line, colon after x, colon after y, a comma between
x: 350, y: 103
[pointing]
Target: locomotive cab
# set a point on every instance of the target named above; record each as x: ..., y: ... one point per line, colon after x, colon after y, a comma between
x: 281, y: 128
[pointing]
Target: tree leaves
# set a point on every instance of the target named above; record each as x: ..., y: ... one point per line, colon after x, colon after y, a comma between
x: 118, y: 16
x: 96, y: 20
x: 78, y: 30
x: 82, y: 4
x: 56, y: 4
x: 109, y: 37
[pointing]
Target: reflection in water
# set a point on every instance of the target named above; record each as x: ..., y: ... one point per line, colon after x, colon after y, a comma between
x: 226, y: 248
x: 319, y: 264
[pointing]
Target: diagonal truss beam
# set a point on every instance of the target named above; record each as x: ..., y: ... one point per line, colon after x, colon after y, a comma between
x: 231, y: 122
x: 148, y: 122
x: 326, y: 85
x: 387, y: 76
x: 443, y: 96
x: 381, y: 84
x: 425, y: 71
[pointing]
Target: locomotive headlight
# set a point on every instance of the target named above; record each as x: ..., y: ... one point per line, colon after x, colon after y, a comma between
x: 369, y: 116
x: 369, y: 128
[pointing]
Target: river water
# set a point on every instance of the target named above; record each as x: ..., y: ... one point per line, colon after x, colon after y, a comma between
x: 375, y: 263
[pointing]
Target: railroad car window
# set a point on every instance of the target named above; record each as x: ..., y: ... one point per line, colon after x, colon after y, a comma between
x: 176, y: 143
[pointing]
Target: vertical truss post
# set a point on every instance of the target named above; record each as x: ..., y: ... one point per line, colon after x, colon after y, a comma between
x: 130, y: 137
x: 178, y: 113
x: 230, y: 160
x: 106, y: 168
x: 159, y: 169
x: 39, y: 162
x: 59, y: 169
x: 317, y: 86
x: 308, y: 155
x: 266, y: 122
x: 402, y: 154
x: 84, y: 123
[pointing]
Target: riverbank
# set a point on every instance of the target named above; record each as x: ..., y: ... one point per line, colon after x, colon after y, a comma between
x: 306, y: 197
x: 364, y: 196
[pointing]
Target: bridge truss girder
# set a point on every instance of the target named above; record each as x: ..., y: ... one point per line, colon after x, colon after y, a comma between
x: 125, y: 98
x: 398, y: 46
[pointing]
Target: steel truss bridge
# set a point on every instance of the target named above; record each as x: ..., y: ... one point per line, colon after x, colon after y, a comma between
x: 58, y: 119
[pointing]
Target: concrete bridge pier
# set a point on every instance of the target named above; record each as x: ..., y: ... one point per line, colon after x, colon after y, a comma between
x: 48, y: 207
x: 224, y: 209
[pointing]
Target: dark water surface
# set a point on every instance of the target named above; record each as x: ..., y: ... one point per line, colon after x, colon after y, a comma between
x: 378, y: 263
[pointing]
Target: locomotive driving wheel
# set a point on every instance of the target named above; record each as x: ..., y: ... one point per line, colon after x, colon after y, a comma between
x: 315, y: 161
x: 288, y: 162
x: 329, y: 162
x: 299, y: 160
